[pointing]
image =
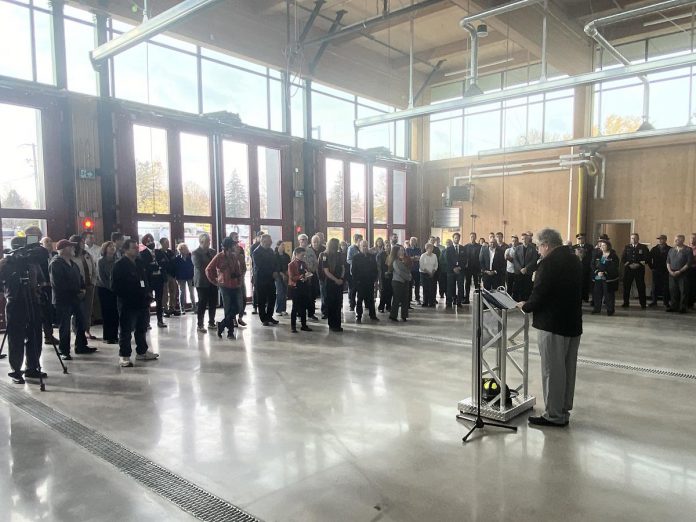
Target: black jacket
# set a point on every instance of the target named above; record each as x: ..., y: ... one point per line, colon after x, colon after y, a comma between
x: 556, y: 299
x: 587, y: 255
x: 658, y: 259
x: 66, y: 281
x: 499, y: 263
x: 11, y: 273
x: 635, y: 254
x: 130, y: 284
x: 265, y: 263
x: 610, y: 267
x: 454, y: 260
x: 155, y: 263
x: 472, y: 252
x: 364, y: 269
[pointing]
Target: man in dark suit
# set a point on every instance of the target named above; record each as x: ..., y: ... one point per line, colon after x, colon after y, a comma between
x: 456, y: 263
x: 585, y: 254
x: 472, y: 272
x: 526, y: 257
x: 556, y: 303
x: 660, y: 276
x: 635, y: 257
x: 493, y: 264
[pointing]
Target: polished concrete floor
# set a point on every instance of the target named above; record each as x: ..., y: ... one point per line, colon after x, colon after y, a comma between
x: 361, y: 426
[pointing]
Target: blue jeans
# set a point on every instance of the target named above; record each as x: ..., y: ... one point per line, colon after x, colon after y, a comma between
x: 132, y: 322
x: 281, y: 303
x: 230, y: 303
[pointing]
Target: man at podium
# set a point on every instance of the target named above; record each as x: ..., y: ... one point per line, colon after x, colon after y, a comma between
x: 556, y: 305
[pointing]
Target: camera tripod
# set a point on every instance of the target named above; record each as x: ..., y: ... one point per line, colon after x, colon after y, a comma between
x: 31, y: 318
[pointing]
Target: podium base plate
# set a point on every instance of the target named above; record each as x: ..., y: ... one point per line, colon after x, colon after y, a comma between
x: 519, y: 405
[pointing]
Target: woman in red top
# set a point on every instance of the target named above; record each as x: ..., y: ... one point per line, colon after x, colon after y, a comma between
x: 225, y: 272
x: 299, y: 283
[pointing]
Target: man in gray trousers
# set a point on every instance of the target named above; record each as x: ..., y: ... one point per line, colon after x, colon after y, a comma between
x: 556, y: 302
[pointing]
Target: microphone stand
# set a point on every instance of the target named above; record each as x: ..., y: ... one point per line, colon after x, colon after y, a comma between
x: 478, y: 421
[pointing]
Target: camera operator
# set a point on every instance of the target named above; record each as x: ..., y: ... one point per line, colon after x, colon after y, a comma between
x: 43, y: 257
x: 68, y: 292
x: 21, y: 278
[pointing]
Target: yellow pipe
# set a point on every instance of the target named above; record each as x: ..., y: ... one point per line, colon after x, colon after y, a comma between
x: 579, y: 225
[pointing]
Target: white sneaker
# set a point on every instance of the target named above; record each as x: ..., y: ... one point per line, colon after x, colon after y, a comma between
x: 126, y: 362
x: 147, y: 356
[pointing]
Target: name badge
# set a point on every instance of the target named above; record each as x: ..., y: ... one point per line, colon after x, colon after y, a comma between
x: 142, y: 284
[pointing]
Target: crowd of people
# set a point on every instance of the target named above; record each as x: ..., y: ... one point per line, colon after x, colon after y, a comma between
x: 128, y: 276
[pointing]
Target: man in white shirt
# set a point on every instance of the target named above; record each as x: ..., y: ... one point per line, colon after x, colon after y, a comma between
x: 513, y: 268
x: 428, y: 267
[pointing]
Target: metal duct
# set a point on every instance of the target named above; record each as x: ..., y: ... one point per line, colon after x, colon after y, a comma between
x: 591, y: 29
x: 147, y: 30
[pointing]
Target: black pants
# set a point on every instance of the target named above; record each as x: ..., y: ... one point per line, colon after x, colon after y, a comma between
x: 385, y: 294
x: 399, y: 299
x: 660, y: 286
x: 679, y: 292
x: 132, y: 321
x: 300, y: 296
x: 523, y: 287
x: 691, y: 275
x: 637, y: 275
x: 64, y: 313
x: 158, y: 289
x: 415, y: 283
x: 109, y: 310
x: 455, y: 288
x: 602, y: 293
x: 48, y: 315
x: 334, y: 303
x: 586, y: 282
x: 207, y: 298
x: 266, y: 297
x: 491, y: 282
x: 366, y: 295
x: 442, y: 282
x: 510, y: 280
x: 472, y: 275
x: 352, y: 292
x: 23, y: 333
x: 429, y: 289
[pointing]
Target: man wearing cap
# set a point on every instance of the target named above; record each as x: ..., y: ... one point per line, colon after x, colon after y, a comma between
x: 660, y: 276
x: 22, y: 312
x: 635, y: 257
x: 584, y: 252
x: 68, y: 291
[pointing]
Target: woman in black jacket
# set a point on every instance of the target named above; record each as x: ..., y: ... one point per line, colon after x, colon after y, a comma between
x: 605, y: 274
x: 281, y: 283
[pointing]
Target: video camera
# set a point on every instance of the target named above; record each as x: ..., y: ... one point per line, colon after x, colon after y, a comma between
x: 24, y: 248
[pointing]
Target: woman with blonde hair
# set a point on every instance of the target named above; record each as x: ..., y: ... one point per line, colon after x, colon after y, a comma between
x: 332, y: 263
x: 401, y: 278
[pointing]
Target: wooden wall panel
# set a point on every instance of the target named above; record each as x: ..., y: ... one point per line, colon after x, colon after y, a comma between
x: 655, y: 187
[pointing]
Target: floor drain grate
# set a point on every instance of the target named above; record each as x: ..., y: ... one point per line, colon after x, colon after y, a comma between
x: 184, y: 494
x: 640, y: 369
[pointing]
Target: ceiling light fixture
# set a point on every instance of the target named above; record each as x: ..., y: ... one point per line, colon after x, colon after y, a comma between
x: 492, y: 64
x: 666, y: 19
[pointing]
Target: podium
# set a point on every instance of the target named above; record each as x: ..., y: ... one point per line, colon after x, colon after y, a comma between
x: 497, y: 360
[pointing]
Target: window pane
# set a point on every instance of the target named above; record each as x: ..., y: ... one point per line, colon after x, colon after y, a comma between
x: 481, y: 132
x: 669, y: 103
x: 22, y: 176
x: 270, y: 202
x: 334, y: 232
x: 238, y: 62
x: 334, y: 190
x: 357, y: 193
x: 12, y: 227
x: 151, y: 170
x: 399, y: 197
x: 130, y: 74
x: 377, y: 233
x: 235, y: 161
x: 158, y: 229
x: 193, y: 230
x: 380, y: 207
x: 276, y: 102
x: 79, y: 41
x: 15, y: 34
x: 276, y: 232
x: 621, y: 110
x: 535, y: 123
x: 375, y: 135
x: 233, y: 90
x: 195, y: 174
x: 558, y: 124
x: 172, y: 79
x: 333, y: 120
x: 516, y: 126
x: 445, y: 138
x: 44, y: 47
